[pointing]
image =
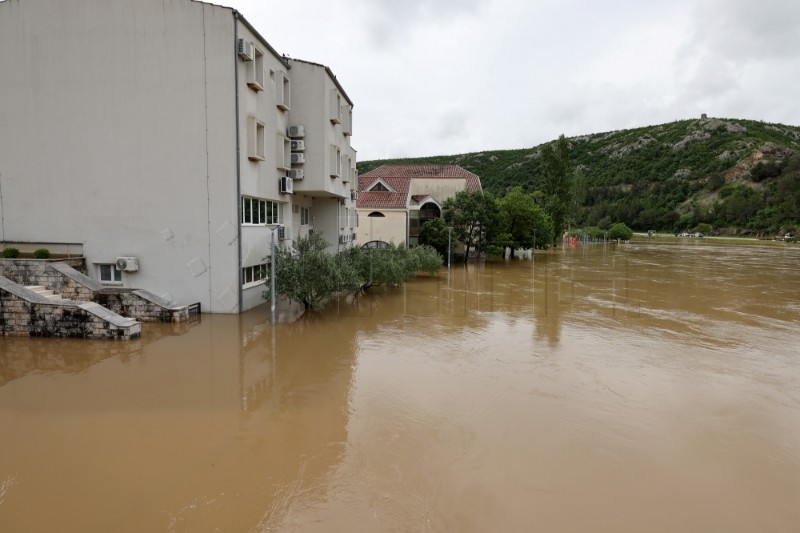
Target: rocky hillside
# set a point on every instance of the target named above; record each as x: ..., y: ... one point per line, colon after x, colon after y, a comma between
x: 738, y: 176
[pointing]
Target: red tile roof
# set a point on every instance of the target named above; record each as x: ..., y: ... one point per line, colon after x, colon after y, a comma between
x: 399, y: 177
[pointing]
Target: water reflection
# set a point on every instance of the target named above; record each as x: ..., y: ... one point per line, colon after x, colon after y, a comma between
x: 503, y: 395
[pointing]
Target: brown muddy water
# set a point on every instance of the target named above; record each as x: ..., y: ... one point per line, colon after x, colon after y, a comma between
x: 643, y: 388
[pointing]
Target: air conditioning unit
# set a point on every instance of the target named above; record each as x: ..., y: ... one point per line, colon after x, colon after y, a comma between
x: 354, y: 195
x: 246, y: 50
x: 342, y: 201
x: 297, y: 132
x: 298, y: 158
x: 282, y: 233
x: 341, y: 239
x: 353, y: 236
x: 287, y: 185
x: 296, y: 173
x: 128, y: 264
x: 298, y: 146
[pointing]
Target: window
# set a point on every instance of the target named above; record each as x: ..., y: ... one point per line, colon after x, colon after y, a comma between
x: 346, y: 169
x: 284, y: 146
x: 110, y: 274
x: 347, y: 121
x: 336, y: 107
x: 304, y: 216
x: 256, y: 149
x: 336, y: 161
x: 254, y: 275
x: 255, y: 75
x: 376, y: 214
x: 283, y: 96
x: 259, y: 212
x: 379, y: 187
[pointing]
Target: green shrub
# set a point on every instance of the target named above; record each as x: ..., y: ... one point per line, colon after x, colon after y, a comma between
x: 42, y: 253
x: 620, y: 231
x: 10, y: 252
x: 703, y: 228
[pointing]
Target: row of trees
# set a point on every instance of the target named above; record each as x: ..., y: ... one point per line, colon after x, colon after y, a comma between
x: 308, y: 274
x: 486, y: 224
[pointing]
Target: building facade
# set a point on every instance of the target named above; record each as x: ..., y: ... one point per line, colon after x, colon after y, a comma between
x: 165, y: 140
x: 394, y: 201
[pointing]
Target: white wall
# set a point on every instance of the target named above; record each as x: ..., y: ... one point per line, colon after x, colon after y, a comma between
x: 117, y: 130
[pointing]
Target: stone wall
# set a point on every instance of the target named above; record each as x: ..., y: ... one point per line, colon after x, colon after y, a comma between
x: 22, y: 315
x: 39, y: 271
x: 136, y: 303
x: 67, y: 278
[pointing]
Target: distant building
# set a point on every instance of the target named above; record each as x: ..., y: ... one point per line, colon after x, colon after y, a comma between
x: 394, y: 201
x: 172, y: 133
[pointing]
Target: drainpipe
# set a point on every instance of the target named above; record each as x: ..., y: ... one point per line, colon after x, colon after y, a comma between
x: 238, y: 159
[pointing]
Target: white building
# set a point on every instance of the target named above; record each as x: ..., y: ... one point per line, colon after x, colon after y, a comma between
x: 167, y: 131
x: 394, y: 201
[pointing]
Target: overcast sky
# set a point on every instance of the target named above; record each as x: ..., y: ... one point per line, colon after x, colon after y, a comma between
x: 436, y: 77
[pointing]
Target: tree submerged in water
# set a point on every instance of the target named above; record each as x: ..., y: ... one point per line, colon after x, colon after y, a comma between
x: 308, y: 274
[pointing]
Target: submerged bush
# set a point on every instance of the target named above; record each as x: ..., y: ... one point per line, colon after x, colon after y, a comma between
x: 620, y: 231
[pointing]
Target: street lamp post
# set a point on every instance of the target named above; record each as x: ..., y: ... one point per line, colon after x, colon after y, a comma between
x: 272, y: 270
x: 449, y: 253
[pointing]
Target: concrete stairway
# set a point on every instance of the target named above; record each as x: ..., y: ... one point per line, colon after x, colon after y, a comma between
x: 41, y: 290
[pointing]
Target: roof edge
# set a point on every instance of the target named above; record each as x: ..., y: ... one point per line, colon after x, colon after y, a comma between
x: 239, y: 17
x: 330, y: 74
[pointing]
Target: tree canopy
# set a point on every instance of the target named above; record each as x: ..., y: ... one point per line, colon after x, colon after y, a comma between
x: 473, y: 215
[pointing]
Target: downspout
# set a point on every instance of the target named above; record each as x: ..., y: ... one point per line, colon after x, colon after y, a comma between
x: 238, y: 210
x: 408, y: 229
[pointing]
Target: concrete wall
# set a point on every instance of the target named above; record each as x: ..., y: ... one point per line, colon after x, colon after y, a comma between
x: 314, y: 94
x: 117, y: 131
x: 124, y: 125
x: 440, y: 189
x: 390, y: 228
x: 269, y: 105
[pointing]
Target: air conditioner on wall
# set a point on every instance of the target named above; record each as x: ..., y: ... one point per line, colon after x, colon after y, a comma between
x: 298, y: 158
x: 246, y: 50
x: 128, y: 264
x: 298, y: 146
x: 354, y: 195
x: 296, y: 173
x: 297, y: 132
x: 282, y: 233
x: 287, y: 185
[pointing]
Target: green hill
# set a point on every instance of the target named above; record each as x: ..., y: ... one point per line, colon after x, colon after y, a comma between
x: 740, y: 176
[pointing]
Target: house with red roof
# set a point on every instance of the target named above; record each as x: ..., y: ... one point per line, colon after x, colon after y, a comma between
x: 394, y: 201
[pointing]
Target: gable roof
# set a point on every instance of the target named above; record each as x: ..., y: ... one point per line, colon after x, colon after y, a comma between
x: 399, y: 178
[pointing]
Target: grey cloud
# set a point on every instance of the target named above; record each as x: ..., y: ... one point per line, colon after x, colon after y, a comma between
x: 390, y: 21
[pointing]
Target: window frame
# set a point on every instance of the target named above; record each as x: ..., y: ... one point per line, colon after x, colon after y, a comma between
x: 255, y: 75
x: 115, y: 274
x: 254, y: 275
x: 260, y: 212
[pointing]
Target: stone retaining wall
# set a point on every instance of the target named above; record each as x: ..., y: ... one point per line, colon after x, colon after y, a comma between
x: 43, y: 272
x: 67, y: 277
x: 136, y: 304
x: 20, y: 316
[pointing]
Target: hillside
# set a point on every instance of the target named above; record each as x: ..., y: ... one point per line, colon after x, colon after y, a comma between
x: 739, y: 176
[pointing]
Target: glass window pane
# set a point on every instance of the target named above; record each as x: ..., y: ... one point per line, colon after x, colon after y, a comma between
x: 247, y: 217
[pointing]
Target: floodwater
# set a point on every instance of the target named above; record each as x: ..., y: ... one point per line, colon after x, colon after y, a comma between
x: 643, y: 388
